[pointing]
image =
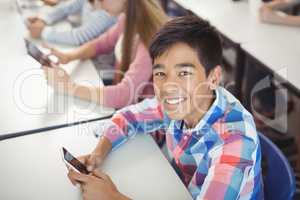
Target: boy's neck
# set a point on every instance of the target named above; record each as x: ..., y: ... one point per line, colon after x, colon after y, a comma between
x: 194, y: 118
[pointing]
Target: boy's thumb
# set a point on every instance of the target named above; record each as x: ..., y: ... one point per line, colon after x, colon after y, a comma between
x: 91, y: 164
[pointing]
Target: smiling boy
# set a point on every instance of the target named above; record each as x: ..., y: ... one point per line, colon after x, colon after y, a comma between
x: 211, y: 139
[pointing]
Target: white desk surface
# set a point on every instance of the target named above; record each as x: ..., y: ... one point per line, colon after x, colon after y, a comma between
x: 274, y: 45
x: 282, y: 57
x: 32, y: 169
x: 228, y: 17
x: 27, y: 103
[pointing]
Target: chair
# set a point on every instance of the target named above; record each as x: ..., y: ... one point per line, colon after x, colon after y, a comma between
x: 279, y: 179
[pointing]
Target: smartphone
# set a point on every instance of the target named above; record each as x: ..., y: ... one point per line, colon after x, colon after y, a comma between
x: 37, y: 54
x: 73, y: 162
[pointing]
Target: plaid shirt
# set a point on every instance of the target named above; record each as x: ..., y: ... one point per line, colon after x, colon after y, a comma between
x: 218, y: 159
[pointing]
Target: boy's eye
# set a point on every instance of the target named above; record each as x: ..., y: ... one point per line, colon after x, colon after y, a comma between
x: 184, y: 73
x: 160, y: 74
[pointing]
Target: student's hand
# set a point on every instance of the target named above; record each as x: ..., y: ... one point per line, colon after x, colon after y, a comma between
x: 63, y: 58
x: 32, y: 19
x: 36, y: 27
x: 58, y: 78
x: 91, y: 161
x: 264, y: 12
x: 50, y: 2
x: 96, y: 186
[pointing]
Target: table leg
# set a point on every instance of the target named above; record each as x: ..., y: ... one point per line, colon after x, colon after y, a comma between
x: 298, y: 138
x: 164, y: 4
x: 240, y: 71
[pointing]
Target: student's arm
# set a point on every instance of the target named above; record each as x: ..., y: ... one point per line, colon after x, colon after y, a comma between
x: 144, y: 117
x: 231, y: 165
x: 281, y: 4
x: 124, y: 93
x: 97, y: 24
x: 103, y: 147
x: 271, y: 13
x: 61, y: 82
x: 63, y: 10
x: 86, y: 51
x: 116, y: 96
x: 134, y: 81
x: 91, y: 94
x: 38, y: 24
x: 56, y: 76
x: 105, y: 43
x: 148, y: 111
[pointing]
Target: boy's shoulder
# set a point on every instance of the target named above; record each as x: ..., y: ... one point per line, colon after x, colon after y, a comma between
x: 236, y: 119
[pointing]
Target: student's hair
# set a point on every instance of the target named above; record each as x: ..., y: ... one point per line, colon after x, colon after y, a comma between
x: 145, y: 18
x: 193, y: 31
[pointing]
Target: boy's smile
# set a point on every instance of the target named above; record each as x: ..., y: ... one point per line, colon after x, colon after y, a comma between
x: 181, y: 84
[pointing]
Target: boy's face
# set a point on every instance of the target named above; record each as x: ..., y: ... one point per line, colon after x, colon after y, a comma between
x: 181, y: 84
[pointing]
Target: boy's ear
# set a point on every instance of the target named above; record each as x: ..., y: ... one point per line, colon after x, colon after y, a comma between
x: 214, y: 77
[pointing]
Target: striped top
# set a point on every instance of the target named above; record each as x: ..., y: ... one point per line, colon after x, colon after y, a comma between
x: 93, y: 23
x: 218, y: 159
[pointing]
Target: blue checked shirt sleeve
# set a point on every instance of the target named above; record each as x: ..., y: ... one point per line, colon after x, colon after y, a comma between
x: 145, y: 117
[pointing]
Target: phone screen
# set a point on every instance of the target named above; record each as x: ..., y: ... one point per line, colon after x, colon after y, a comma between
x: 74, y: 162
x: 39, y: 56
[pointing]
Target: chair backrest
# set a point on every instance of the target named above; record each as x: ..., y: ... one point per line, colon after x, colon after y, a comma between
x: 279, y: 179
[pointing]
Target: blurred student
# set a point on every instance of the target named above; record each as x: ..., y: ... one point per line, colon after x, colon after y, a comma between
x: 272, y: 12
x: 129, y: 38
x: 94, y: 22
x: 211, y: 138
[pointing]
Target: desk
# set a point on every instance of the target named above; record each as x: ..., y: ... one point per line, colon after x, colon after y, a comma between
x: 31, y: 167
x: 230, y: 19
x: 235, y: 20
x: 27, y: 103
x: 266, y: 42
x: 280, y: 53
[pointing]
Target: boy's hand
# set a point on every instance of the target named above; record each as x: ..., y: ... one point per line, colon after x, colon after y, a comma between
x: 91, y: 161
x: 63, y: 58
x: 96, y: 185
x: 35, y: 27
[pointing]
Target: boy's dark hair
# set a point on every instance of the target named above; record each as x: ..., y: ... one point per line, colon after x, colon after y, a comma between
x: 193, y: 31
